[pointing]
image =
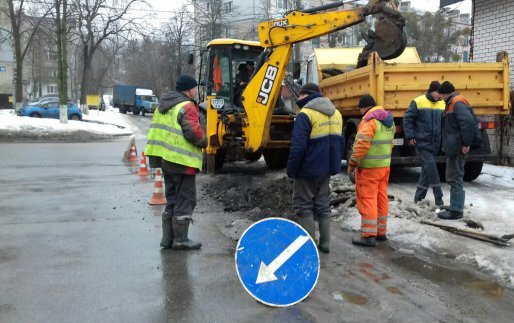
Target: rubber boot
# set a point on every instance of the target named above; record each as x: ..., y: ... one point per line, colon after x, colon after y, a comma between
x: 307, y: 222
x: 449, y: 215
x: 365, y: 242
x: 167, y: 230
x: 324, y: 234
x: 181, y: 241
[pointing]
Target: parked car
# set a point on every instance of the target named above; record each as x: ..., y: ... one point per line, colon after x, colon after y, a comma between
x: 50, y: 110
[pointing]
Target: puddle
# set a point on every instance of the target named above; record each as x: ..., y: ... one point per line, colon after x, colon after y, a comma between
x: 349, y: 297
x: 440, y: 274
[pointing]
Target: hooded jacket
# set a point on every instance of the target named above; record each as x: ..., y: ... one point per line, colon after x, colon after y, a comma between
x: 317, y: 141
x: 366, y: 132
x: 423, y: 123
x: 460, y: 126
x: 189, y: 122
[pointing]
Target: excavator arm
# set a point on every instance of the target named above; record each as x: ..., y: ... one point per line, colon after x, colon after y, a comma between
x: 278, y: 36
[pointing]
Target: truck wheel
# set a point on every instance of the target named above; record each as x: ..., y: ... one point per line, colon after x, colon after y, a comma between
x: 123, y: 110
x: 276, y: 158
x: 349, y: 146
x: 472, y: 170
x: 142, y: 111
x: 135, y: 111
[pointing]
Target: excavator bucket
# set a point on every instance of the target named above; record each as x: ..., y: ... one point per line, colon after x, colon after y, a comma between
x: 388, y: 39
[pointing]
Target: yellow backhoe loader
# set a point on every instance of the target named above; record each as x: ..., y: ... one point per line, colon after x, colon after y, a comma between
x: 248, y: 111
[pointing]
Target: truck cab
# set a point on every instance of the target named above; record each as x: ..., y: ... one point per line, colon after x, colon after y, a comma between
x: 145, y: 102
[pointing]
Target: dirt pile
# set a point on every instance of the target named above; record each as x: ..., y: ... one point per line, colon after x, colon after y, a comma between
x: 260, y: 196
x: 266, y: 196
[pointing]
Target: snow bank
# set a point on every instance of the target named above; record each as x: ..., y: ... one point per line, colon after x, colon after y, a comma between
x: 489, y: 200
x: 97, y: 125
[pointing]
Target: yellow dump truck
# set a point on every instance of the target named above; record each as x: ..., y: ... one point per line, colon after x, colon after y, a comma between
x: 395, y: 84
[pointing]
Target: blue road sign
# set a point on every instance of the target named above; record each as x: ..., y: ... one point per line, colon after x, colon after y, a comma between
x: 277, y: 262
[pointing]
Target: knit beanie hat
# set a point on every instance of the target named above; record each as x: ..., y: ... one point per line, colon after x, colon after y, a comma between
x: 446, y: 88
x: 366, y: 101
x: 185, y: 83
x: 310, y: 88
x: 434, y: 86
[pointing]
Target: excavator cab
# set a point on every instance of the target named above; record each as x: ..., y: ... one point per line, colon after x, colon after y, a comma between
x: 227, y: 66
x: 228, y: 69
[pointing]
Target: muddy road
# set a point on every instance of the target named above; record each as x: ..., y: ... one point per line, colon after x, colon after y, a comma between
x: 79, y: 243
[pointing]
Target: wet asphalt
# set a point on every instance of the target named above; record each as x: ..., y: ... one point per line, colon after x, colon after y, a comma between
x: 79, y: 243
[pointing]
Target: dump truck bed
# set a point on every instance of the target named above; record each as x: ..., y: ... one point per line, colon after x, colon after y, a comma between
x: 485, y: 85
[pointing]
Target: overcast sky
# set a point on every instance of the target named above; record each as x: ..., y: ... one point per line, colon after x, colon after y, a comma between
x: 429, y: 5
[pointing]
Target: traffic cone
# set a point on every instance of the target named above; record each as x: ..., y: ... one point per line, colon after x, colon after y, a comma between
x: 158, y: 193
x: 133, y: 153
x: 143, y: 171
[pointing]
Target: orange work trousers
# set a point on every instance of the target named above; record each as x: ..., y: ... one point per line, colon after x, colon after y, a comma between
x: 372, y: 202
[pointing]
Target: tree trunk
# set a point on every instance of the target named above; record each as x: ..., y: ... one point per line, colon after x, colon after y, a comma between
x: 63, y: 115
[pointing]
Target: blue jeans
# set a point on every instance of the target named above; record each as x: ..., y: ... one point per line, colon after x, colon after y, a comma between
x: 429, y: 176
x: 455, y: 178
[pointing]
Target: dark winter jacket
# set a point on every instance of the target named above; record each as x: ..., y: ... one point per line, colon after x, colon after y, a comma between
x: 423, y: 122
x: 317, y: 141
x: 189, y: 122
x: 460, y: 126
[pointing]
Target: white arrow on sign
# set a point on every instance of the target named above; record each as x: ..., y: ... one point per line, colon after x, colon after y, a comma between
x: 267, y: 273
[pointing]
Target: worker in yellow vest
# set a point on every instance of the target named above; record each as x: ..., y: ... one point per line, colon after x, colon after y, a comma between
x: 177, y: 137
x: 422, y: 128
x: 371, y: 159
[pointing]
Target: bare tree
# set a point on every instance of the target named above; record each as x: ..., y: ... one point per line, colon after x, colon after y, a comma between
x: 23, y: 29
x: 99, y: 21
x: 179, y: 32
x: 212, y: 18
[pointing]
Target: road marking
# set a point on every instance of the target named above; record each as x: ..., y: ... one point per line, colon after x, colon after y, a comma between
x: 267, y: 273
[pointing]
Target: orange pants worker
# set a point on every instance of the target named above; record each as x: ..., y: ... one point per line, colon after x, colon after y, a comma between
x: 371, y: 158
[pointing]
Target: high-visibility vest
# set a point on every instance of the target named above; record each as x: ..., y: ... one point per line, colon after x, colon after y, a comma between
x: 166, y: 140
x: 323, y: 125
x: 379, y: 154
x: 422, y: 102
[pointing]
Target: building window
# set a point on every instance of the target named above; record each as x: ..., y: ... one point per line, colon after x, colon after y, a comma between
x: 51, y: 89
x: 51, y: 55
x: 52, y: 73
x: 282, y: 4
x: 228, y: 6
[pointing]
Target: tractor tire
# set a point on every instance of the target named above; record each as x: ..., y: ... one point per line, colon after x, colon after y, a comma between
x: 276, y: 158
x: 255, y: 156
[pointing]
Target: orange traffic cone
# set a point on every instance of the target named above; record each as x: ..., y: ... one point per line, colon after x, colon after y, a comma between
x: 133, y: 153
x: 143, y: 171
x: 158, y: 193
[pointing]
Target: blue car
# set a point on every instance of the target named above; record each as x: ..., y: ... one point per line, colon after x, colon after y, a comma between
x: 50, y: 110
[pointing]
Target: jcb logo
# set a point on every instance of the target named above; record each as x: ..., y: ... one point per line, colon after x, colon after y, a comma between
x: 279, y: 23
x: 267, y: 84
